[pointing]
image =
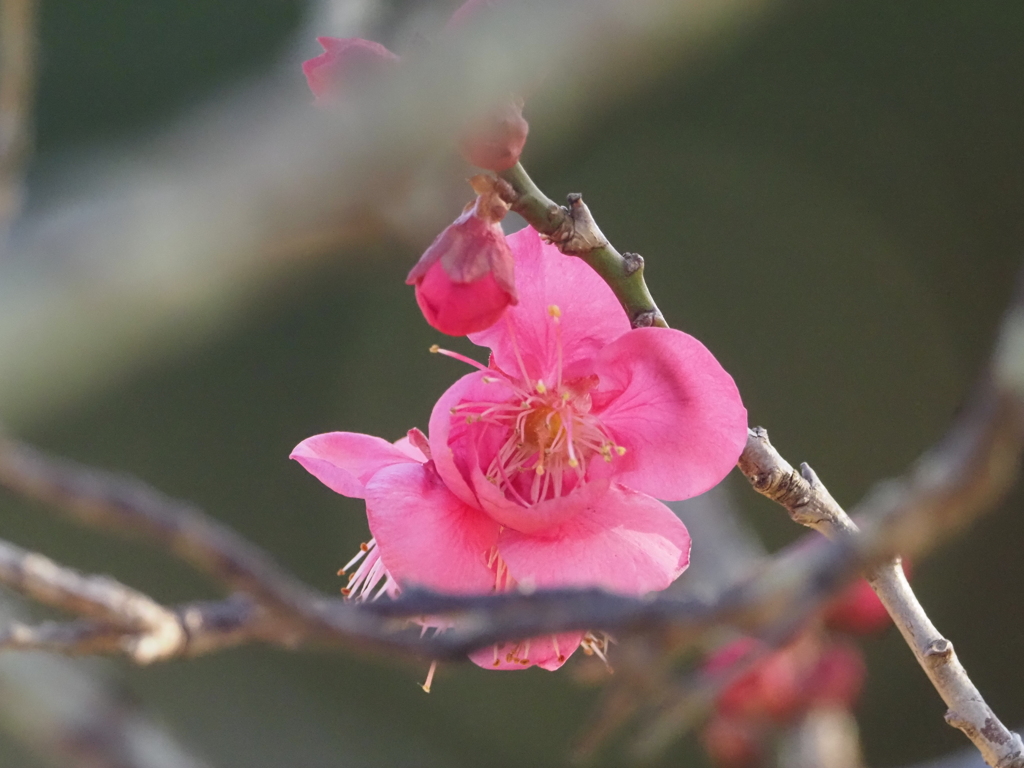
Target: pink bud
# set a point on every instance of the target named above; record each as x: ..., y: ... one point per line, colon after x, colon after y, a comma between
x: 496, y: 142
x: 838, y: 677
x: 857, y: 609
x: 343, y: 61
x: 464, y: 280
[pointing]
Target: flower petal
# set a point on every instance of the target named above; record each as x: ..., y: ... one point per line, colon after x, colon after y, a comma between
x: 345, y: 461
x: 544, y: 514
x: 549, y: 652
x: 343, y: 60
x: 668, y: 402
x: 426, y: 536
x: 449, y: 435
x: 628, y: 542
x: 590, y: 318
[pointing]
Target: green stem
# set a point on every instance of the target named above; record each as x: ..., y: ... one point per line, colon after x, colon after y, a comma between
x: 572, y: 229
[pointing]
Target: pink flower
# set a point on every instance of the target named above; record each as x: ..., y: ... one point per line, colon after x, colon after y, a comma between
x: 857, y: 610
x: 494, y: 142
x: 343, y: 61
x: 464, y: 280
x: 541, y: 470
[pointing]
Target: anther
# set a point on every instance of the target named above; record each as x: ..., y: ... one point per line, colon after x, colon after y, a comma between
x: 620, y: 449
x: 341, y: 571
x: 541, y: 386
x: 573, y: 463
x: 345, y: 591
x: 435, y: 348
x: 364, y: 547
x: 554, y: 311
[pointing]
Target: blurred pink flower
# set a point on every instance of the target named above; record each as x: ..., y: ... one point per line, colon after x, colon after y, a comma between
x: 538, y: 467
x: 464, y: 280
x: 494, y: 142
x: 344, y: 60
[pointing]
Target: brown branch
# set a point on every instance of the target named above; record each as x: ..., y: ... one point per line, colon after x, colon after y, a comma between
x: 572, y: 229
x: 156, y: 632
x: 809, y: 503
x: 17, y: 86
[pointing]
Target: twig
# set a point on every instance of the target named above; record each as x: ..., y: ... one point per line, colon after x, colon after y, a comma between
x: 809, y: 503
x: 17, y: 86
x: 572, y: 229
x: 156, y: 631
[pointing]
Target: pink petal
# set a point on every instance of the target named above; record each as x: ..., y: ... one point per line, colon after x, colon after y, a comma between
x: 343, y: 60
x: 426, y: 536
x: 345, y: 461
x: 540, y: 652
x: 628, y: 542
x: 449, y: 434
x: 541, y: 516
x: 676, y: 411
x: 591, y: 317
x: 496, y: 141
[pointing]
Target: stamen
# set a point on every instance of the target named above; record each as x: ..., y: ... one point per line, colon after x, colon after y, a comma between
x: 430, y: 677
x: 456, y: 356
x: 620, y: 449
x: 558, y: 653
x: 541, y: 387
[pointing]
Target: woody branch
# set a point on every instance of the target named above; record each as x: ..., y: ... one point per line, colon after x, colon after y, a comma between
x: 954, y: 482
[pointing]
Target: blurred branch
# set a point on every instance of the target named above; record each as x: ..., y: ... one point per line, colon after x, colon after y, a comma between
x: 160, y: 243
x: 952, y: 483
x: 825, y: 738
x: 157, y: 630
x: 17, y: 88
x: 67, y: 715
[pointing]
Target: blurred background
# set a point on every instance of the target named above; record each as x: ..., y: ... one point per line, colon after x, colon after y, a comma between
x: 207, y: 270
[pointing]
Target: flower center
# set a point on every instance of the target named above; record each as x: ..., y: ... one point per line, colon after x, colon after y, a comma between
x: 545, y: 433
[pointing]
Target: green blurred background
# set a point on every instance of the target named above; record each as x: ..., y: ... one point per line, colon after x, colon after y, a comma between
x: 833, y: 201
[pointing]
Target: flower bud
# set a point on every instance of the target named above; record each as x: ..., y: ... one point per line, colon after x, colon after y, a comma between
x: 464, y: 280
x: 343, y: 61
x: 838, y: 677
x: 496, y: 142
x: 857, y: 609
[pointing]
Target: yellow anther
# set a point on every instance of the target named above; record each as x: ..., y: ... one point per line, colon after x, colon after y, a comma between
x: 573, y: 463
x: 541, y: 386
x: 565, y: 397
x: 435, y: 348
x: 620, y: 449
x: 554, y: 311
x: 540, y: 469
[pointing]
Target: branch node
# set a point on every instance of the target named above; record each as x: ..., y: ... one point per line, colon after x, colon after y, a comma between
x: 633, y: 262
x: 940, y: 650
x: 645, y: 319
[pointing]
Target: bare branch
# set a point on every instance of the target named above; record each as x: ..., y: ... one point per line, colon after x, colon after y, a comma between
x: 572, y: 229
x: 17, y: 88
x: 157, y: 633
x: 809, y: 503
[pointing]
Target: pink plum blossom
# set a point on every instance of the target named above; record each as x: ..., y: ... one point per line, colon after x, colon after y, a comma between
x: 542, y: 469
x: 464, y: 280
x: 494, y: 142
